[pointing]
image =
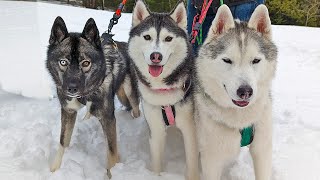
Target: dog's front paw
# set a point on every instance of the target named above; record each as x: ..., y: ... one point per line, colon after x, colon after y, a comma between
x: 135, y: 113
x: 55, y: 165
x: 109, y: 174
x: 192, y: 177
x: 87, y: 116
x: 57, y: 160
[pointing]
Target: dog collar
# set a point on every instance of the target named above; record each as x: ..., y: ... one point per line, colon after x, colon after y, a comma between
x: 164, y: 90
x: 186, y: 87
x: 247, y: 135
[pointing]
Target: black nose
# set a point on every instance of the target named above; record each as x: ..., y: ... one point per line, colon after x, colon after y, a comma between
x: 73, y: 88
x: 245, y: 92
x: 156, y: 57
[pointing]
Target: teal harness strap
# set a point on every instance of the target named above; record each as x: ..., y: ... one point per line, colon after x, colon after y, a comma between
x: 247, y: 135
x: 199, y: 38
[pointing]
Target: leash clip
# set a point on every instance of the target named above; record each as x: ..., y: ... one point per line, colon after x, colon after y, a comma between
x: 197, y: 26
x: 106, y: 39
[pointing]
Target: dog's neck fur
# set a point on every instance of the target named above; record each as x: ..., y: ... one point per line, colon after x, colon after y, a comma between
x: 234, y: 117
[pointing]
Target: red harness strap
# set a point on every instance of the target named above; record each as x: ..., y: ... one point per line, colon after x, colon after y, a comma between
x: 198, y: 20
x: 116, y: 16
x: 120, y: 8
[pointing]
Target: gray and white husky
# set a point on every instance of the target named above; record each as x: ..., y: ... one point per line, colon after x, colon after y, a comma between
x: 87, y: 73
x: 234, y: 71
x: 163, y: 65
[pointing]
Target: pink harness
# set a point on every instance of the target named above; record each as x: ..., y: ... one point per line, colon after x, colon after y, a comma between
x: 170, y: 115
x: 168, y: 111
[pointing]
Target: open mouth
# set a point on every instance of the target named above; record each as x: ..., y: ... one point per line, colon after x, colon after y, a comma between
x: 240, y: 103
x: 155, y: 70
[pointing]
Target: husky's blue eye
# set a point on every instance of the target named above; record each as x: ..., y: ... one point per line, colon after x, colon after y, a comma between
x: 147, y: 37
x: 227, y: 60
x: 63, y: 62
x: 168, y: 39
x: 256, y: 61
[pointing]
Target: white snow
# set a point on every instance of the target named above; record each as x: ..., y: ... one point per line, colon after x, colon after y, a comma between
x: 30, y: 113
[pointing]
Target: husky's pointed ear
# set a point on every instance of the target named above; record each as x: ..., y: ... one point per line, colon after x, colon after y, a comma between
x: 58, y: 31
x: 91, y: 33
x: 179, y: 15
x: 260, y: 21
x: 140, y: 12
x: 222, y: 22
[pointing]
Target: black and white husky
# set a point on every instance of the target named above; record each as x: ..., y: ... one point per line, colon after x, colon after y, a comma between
x: 163, y: 65
x: 86, y: 72
x: 234, y: 71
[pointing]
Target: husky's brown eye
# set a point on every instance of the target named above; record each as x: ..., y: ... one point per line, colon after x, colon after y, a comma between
x: 85, y: 63
x: 168, y: 39
x: 63, y: 62
x: 256, y: 61
x: 227, y: 60
x: 147, y: 37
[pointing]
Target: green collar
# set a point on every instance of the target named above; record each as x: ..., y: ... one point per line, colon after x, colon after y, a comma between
x: 247, y: 135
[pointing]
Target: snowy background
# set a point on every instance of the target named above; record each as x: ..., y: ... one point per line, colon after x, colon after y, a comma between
x: 30, y: 113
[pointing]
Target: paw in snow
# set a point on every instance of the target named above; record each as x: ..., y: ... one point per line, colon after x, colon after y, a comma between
x: 57, y: 160
x: 135, y: 114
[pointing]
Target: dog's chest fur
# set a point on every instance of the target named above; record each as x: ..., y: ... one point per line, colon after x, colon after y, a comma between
x: 73, y: 104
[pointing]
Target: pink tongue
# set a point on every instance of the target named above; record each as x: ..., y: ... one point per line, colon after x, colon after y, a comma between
x: 155, y: 71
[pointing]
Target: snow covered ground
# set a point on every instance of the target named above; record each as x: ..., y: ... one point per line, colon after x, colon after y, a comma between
x: 30, y: 119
